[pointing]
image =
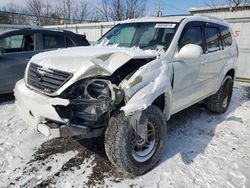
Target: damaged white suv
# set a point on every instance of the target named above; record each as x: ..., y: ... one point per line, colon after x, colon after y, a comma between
x: 128, y: 84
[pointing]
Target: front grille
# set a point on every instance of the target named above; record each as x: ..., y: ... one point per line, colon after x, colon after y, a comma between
x: 46, y: 80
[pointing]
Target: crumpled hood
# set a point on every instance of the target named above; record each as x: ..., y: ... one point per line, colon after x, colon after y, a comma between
x: 83, y: 59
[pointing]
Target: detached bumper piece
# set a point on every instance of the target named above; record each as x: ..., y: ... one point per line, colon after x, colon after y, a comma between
x: 52, y: 131
x: 85, y: 112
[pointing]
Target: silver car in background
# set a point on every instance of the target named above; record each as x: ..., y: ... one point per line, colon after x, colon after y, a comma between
x: 18, y: 46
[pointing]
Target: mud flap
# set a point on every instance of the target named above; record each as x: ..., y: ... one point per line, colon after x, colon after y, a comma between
x: 139, y: 123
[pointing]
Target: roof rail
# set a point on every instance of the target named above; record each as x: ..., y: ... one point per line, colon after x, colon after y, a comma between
x: 210, y: 17
x: 30, y: 28
x: 25, y: 28
x: 59, y: 29
x: 67, y: 31
x: 176, y: 15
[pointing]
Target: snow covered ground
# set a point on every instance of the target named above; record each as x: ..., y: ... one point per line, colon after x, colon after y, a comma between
x: 202, y: 150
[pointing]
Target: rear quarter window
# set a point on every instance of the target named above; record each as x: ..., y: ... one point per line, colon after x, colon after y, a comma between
x: 53, y: 41
x: 226, y: 36
x: 69, y: 42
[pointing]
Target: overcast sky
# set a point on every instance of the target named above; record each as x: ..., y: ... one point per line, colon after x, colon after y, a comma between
x: 168, y: 7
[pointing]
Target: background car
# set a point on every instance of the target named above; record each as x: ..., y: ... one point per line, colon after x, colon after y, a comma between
x: 18, y: 46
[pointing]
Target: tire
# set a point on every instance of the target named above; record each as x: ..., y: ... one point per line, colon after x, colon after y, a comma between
x: 219, y: 102
x: 120, y: 142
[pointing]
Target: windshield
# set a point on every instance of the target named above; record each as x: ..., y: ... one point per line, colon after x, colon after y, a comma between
x: 154, y: 36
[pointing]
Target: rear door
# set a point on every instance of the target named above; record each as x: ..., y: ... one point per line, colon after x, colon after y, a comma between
x: 17, y: 49
x: 52, y: 41
x: 189, y: 75
x: 214, y: 57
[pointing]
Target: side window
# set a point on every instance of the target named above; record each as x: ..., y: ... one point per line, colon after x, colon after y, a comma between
x: 53, y: 41
x: 17, y: 43
x: 212, y: 39
x: 192, y: 35
x: 69, y: 42
x: 226, y: 36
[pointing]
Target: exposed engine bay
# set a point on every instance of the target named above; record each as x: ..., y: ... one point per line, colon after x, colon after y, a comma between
x: 93, y: 99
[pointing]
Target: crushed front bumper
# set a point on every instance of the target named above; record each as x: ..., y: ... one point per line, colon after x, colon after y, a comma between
x: 38, y: 110
x: 35, y: 108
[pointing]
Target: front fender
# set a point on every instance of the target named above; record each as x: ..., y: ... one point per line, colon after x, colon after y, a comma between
x: 155, y: 80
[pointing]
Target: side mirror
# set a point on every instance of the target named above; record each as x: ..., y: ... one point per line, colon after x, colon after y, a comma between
x: 189, y: 52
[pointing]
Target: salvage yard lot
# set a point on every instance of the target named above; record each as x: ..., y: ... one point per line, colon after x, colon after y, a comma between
x: 202, y: 150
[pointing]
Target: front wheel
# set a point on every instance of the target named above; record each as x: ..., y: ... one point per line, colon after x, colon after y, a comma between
x: 127, y: 150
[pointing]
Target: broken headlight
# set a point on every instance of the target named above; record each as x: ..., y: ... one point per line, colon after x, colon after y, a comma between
x: 94, y: 89
x: 91, y: 101
x: 97, y: 89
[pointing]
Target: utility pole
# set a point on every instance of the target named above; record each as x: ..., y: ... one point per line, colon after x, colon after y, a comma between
x: 158, y: 9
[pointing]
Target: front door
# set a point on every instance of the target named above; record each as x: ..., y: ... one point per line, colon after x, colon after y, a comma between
x: 189, y: 75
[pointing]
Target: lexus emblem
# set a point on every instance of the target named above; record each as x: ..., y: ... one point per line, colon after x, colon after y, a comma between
x: 39, y: 77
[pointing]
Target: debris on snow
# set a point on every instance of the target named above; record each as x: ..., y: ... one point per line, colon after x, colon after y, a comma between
x: 202, y: 150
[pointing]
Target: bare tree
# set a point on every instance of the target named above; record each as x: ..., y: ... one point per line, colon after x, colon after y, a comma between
x: 233, y: 4
x: 212, y: 4
x: 104, y: 10
x: 12, y: 8
x: 65, y: 10
x: 121, y: 9
x: 81, y: 12
x: 35, y: 7
x: 73, y: 11
x: 117, y: 10
x: 13, y: 16
x: 41, y: 10
x: 135, y: 8
x: 4, y: 18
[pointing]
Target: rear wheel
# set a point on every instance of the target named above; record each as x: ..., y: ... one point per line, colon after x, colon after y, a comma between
x: 219, y: 102
x: 127, y: 150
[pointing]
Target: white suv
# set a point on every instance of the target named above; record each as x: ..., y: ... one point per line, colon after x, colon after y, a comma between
x: 128, y: 84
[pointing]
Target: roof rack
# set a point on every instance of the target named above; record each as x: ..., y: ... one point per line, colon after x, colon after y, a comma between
x: 59, y: 29
x: 210, y: 17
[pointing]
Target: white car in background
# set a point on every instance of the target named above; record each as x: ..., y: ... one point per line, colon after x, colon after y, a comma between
x: 128, y: 84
